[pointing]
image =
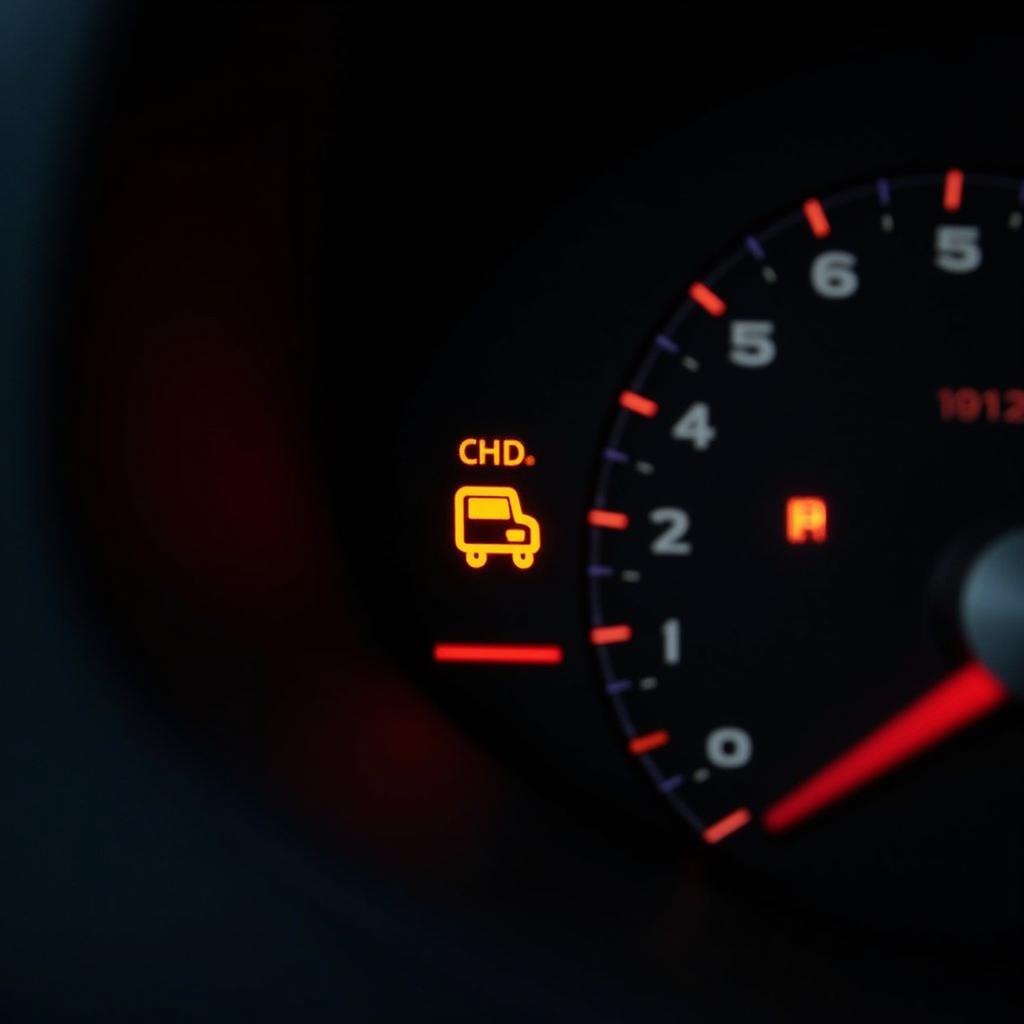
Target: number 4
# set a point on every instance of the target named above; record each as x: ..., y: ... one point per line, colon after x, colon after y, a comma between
x: 695, y: 426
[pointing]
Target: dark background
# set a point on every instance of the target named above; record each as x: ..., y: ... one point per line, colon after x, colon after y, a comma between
x: 225, y: 208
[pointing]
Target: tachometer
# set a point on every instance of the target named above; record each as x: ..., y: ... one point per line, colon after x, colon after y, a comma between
x: 808, y: 508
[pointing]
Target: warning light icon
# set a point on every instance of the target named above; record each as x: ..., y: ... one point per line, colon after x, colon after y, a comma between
x: 491, y: 521
x: 806, y: 521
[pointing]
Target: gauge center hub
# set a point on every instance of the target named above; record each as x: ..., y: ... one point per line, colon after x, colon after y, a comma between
x: 992, y: 608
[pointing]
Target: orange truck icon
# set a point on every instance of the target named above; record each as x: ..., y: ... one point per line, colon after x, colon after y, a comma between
x: 491, y: 521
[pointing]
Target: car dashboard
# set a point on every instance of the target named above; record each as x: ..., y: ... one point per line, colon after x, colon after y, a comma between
x: 511, y: 518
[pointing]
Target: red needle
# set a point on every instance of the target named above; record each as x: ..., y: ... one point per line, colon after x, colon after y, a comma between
x: 947, y: 707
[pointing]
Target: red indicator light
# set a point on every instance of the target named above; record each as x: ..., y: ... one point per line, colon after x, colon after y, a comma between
x: 601, y: 635
x: 707, y: 299
x: 500, y: 654
x: 649, y: 741
x: 637, y: 403
x: 609, y: 520
x: 726, y: 826
x: 815, y: 214
x: 953, y: 190
x: 806, y: 521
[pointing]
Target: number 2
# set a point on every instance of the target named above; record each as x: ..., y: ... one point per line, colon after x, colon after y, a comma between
x: 670, y: 540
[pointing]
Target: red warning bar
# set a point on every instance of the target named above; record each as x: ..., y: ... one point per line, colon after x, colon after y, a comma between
x: 500, y: 654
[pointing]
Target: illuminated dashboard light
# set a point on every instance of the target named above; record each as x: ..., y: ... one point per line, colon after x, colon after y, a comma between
x: 816, y: 219
x: 607, y: 520
x: 601, y: 635
x: 491, y: 521
x: 707, y: 299
x: 726, y: 826
x: 500, y: 654
x: 953, y: 190
x: 806, y: 521
x: 478, y: 451
x: 648, y: 741
x: 639, y: 404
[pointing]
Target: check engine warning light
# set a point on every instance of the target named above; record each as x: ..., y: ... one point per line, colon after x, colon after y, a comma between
x: 806, y: 521
x: 491, y: 521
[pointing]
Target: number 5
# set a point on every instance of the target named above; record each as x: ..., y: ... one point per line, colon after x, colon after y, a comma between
x: 957, y: 248
x: 751, y: 344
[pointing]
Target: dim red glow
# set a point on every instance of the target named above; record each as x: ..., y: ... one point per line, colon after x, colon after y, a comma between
x: 648, y: 741
x: 608, y: 520
x: 806, y: 521
x: 500, y: 654
x: 726, y: 826
x: 969, y: 405
x: 637, y: 403
x: 954, y: 703
x: 815, y: 214
x: 953, y: 190
x: 707, y: 299
x: 600, y: 635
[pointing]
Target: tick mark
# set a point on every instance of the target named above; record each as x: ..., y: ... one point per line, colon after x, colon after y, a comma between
x: 953, y: 190
x: 726, y: 826
x: 814, y: 213
x: 707, y: 299
x: 602, y: 635
x: 649, y: 741
x: 640, y: 404
x: 607, y: 519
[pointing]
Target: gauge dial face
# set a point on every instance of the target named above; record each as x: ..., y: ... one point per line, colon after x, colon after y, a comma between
x: 798, y: 479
